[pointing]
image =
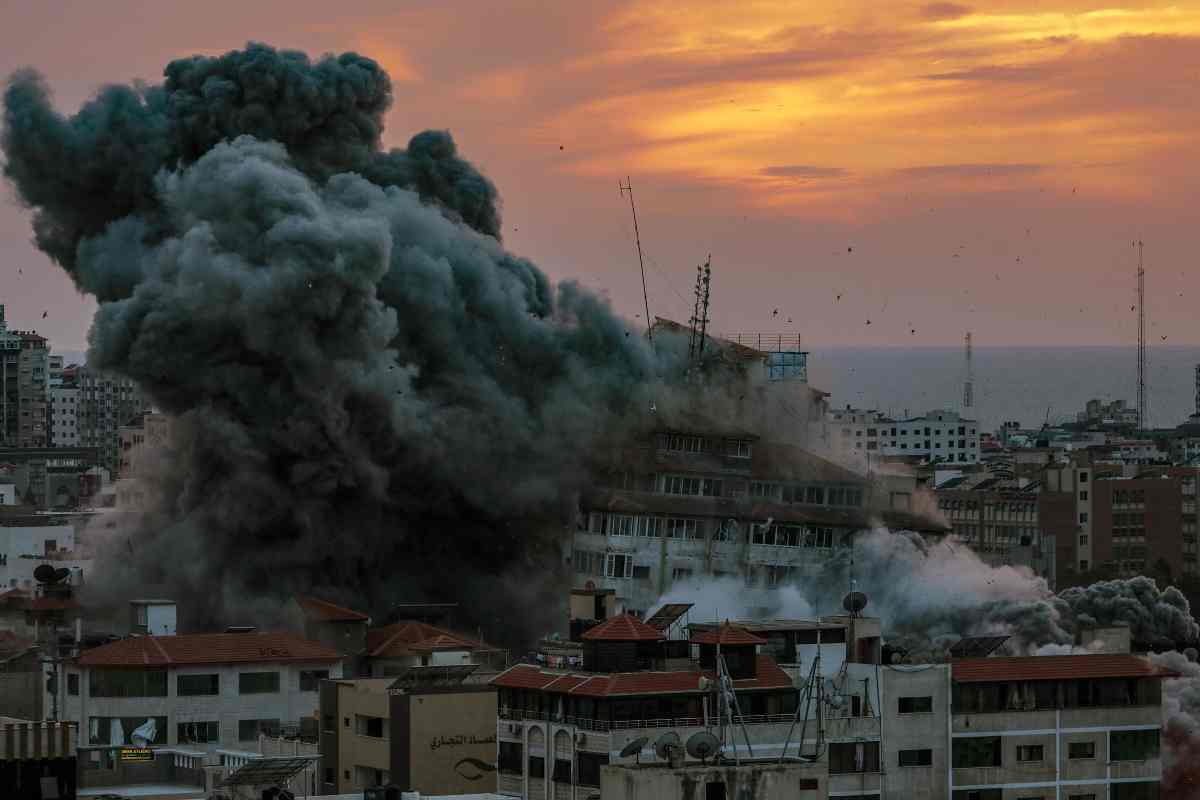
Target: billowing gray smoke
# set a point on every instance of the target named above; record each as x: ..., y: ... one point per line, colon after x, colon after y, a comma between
x: 932, y: 593
x: 374, y: 398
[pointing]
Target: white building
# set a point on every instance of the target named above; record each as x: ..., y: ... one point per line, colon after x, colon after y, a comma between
x: 205, y: 691
x: 857, y: 436
x: 64, y: 416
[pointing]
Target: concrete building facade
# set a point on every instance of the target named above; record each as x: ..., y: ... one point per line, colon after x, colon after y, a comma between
x: 205, y: 691
x: 425, y: 731
x: 696, y: 501
x: 64, y: 416
x: 1000, y: 522
x: 864, y: 438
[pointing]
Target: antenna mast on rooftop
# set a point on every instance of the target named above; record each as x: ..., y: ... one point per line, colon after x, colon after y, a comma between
x: 628, y: 187
x: 699, y: 320
x: 969, y: 383
x: 1141, y: 347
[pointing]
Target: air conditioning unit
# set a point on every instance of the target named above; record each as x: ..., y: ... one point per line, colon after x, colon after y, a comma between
x: 580, y: 739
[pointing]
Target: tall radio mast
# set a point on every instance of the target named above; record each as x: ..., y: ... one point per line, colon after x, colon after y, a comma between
x: 1141, y: 347
x: 969, y: 382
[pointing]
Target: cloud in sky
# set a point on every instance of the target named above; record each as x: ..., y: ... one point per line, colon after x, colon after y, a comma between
x: 743, y: 132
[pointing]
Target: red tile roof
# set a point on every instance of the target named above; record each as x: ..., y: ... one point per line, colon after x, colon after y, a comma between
x: 206, y: 648
x: 400, y: 639
x: 727, y: 634
x: 1055, y: 668
x: 625, y: 628
x: 322, y: 611
x: 52, y: 604
x: 625, y: 684
x: 443, y: 641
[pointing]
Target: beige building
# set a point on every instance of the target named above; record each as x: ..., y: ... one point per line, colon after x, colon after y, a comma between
x: 426, y: 731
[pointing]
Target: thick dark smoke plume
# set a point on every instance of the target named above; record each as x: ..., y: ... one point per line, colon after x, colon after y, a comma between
x: 373, y: 397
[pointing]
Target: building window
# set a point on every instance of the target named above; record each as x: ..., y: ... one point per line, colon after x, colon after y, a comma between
x: 1083, y: 477
x: 258, y: 683
x: 848, y: 757
x: 916, y: 758
x: 618, y: 565
x: 249, y: 729
x: 738, y: 448
x: 198, y: 732
x: 1142, y: 790
x: 1083, y: 495
x: 127, y: 683
x: 1133, y: 745
x: 1088, y: 796
x: 310, y: 679
x: 1083, y: 517
x: 369, y: 726
x: 587, y: 767
x: 1083, y: 538
x: 681, y: 574
x: 73, y: 683
x: 916, y: 705
x: 1031, y: 752
x: 1081, y: 750
x: 537, y: 767
x: 562, y: 770
x: 192, y: 685
x: 510, y: 758
x: 982, y: 751
x: 120, y: 730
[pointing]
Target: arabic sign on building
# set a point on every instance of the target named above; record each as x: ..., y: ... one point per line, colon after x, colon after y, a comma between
x: 136, y: 754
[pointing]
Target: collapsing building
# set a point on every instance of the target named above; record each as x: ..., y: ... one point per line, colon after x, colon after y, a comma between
x: 740, y: 498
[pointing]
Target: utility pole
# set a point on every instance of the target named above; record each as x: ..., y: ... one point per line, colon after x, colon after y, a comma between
x: 1141, y: 347
x: 628, y: 187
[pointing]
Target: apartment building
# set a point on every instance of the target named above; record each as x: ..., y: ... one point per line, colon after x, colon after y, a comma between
x: 560, y: 729
x: 1054, y: 727
x: 864, y: 438
x: 703, y: 500
x: 1127, y: 520
x: 104, y: 404
x: 205, y: 691
x: 1000, y: 520
x: 426, y: 730
x: 64, y: 416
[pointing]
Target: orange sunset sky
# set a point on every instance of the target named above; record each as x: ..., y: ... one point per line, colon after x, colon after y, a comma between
x: 942, y: 167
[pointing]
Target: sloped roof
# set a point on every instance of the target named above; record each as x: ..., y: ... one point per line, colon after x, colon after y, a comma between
x: 624, y: 628
x: 1055, y: 668
x: 206, y: 648
x: 626, y: 684
x: 443, y: 641
x: 322, y: 611
x: 727, y: 634
x: 402, y: 639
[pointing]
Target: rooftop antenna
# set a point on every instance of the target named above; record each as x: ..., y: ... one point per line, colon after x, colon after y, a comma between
x: 628, y: 187
x: 1141, y: 347
x: 699, y: 320
x: 969, y: 383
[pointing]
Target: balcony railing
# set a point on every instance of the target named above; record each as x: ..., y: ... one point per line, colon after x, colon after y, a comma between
x: 585, y: 723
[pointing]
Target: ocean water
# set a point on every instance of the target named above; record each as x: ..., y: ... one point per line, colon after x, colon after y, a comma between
x: 1011, y: 383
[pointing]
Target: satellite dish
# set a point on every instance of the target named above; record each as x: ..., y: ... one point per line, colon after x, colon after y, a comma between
x: 45, y: 574
x: 635, y: 747
x: 703, y: 745
x: 667, y: 745
x: 854, y: 602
